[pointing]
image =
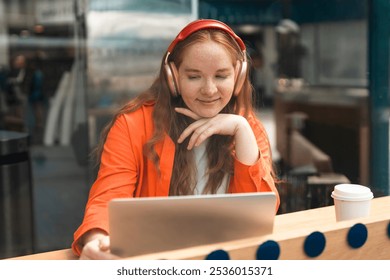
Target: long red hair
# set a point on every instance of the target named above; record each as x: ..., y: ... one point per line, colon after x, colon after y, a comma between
x: 166, y: 120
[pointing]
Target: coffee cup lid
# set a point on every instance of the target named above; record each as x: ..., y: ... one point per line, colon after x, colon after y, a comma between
x: 351, y: 192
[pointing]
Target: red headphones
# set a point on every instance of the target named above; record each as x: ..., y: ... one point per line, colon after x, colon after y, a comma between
x: 170, y: 68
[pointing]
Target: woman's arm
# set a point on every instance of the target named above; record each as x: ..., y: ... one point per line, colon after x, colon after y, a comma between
x: 222, y: 124
x: 117, y: 178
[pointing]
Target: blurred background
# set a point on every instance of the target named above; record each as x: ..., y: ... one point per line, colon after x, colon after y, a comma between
x: 320, y: 71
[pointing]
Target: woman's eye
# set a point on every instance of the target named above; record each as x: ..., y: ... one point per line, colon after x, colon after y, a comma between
x: 221, y: 76
x: 193, y: 77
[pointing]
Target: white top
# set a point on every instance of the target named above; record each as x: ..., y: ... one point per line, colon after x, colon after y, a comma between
x: 202, y: 177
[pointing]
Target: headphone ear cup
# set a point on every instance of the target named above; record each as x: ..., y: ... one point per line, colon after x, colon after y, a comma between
x: 240, y: 78
x: 175, y: 77
x: 172, y: 80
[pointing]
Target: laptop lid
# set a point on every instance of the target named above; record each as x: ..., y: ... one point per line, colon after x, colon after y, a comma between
x: 141, y: 226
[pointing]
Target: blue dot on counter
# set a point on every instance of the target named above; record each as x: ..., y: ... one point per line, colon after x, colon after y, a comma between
x: 388, y: 230
x: 357, y: 235
x: 269, y: 250
x: 218, y: 255
x: 314, y: 244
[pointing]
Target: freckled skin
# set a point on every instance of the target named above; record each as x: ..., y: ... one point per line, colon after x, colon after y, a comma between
x: 206, y: 78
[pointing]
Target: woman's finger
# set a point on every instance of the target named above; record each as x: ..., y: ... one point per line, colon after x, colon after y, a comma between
x: 187, y: 112
x: 104, y: 244
x: 200, y: 134
x: 97, y: 249
x: 190, y: 129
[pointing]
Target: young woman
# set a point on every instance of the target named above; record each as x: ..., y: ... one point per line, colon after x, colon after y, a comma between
x: 193, y: 131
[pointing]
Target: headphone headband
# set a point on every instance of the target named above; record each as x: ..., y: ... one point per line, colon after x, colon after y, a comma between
x: 205, y: 24
x: 170, y: 68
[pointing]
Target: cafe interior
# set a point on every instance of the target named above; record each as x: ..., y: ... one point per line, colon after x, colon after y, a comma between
x: 320, y: 71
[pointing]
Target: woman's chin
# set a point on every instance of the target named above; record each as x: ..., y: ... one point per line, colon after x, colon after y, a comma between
x: 208, y: 115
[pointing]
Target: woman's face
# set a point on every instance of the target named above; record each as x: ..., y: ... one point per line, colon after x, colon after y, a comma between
x: 206, y: 78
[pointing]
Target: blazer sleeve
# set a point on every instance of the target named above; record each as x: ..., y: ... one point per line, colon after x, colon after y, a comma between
x: 116, y: 178
x: 257, y: 177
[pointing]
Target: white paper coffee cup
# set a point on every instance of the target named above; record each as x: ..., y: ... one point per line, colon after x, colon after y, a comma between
x: 351, y: 201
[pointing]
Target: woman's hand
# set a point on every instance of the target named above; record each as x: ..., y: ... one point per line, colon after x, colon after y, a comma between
x: 223, y: 124
x: 97, y: 246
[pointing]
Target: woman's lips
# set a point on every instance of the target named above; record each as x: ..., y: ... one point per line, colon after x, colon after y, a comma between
x: 208, y: 101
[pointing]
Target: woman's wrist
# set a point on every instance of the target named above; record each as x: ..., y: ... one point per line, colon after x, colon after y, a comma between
x: 92, y: 235
x: 246, y: 145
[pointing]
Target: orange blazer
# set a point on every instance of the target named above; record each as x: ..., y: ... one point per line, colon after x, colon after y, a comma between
x: 126, y: 172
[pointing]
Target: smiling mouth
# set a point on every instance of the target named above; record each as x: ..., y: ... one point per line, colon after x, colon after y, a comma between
x: 208, y: 101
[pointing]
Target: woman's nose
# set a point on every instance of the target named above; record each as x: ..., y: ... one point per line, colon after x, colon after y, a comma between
x: 209, y: 87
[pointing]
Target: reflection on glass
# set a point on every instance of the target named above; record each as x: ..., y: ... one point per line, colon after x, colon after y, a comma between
x: 126, y: 41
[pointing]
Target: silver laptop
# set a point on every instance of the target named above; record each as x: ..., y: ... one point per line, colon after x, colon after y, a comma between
x: 141, y: 226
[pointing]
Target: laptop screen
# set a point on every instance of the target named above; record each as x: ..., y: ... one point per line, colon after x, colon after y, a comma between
x: 141, y: 226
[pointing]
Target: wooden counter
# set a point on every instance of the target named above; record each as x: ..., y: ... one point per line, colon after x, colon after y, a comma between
x: 290, y: 233
x: 65, y: 254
